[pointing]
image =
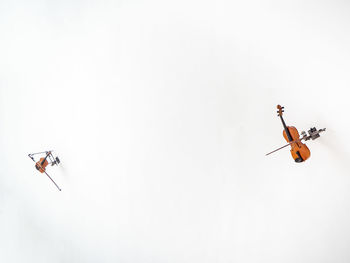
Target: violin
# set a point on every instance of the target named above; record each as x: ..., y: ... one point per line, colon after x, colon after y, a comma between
x: 300, y: 152
x: 42, y: 163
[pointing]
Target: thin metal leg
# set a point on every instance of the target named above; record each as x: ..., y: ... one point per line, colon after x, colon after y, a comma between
x: 40, y: 152
x: 52, y: 181
x: 31, y: 157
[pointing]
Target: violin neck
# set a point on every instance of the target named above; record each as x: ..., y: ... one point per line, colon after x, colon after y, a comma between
x: 284, y: 124
x: 286, y: 130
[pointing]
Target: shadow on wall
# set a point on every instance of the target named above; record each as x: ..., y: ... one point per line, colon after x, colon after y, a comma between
x: 63, y: 169
x: 336, y: 150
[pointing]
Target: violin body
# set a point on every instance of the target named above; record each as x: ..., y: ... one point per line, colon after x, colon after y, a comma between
x: 300, y: 152
x: 41, y: 165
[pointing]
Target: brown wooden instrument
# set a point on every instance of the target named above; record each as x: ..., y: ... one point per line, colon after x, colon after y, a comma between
x: 41, y: 165
x: 44, y: 162
x: 300, y: 152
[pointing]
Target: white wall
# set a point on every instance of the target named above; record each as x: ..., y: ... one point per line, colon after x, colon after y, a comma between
x: 161, y: 113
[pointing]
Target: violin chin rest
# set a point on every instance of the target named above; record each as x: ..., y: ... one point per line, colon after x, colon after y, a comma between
x: 298, y: 160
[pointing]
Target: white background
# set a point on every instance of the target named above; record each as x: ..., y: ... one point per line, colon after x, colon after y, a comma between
x: 161, y: 113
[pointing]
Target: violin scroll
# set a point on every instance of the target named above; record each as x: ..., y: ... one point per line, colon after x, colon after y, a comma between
x: 280, y: 110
